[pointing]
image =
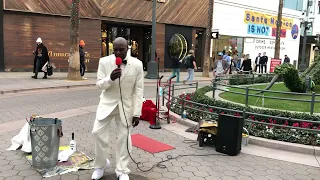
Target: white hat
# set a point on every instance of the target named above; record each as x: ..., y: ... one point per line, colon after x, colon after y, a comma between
x: 39, y: 40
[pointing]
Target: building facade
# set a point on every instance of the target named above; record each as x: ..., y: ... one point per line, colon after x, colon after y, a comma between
x: 314, y: 26
x: 250, y: 28
x: 179, y: 28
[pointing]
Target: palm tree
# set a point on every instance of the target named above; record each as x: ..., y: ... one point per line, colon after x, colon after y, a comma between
x: 206, y: 63
x: 277, y: 45
x: 74, y: 56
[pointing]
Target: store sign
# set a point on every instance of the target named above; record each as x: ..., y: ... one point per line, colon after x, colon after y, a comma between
x: 274, y: 63
x: 267, y: 20
x: 66, y: 55
x: 267, y: 44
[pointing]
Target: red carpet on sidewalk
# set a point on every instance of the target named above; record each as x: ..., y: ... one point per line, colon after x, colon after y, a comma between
x: 148, y: 144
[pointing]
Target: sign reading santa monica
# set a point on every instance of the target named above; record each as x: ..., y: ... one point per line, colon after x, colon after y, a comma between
x: 264, y: 24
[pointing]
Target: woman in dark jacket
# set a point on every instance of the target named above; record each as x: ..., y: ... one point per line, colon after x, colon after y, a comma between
x: 246, y: 64
x: 82, y: 59
x: 41, y: 57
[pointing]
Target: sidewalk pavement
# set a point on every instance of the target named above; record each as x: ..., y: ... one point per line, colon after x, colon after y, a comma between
x: 22, y: 81
x: 13, y: 164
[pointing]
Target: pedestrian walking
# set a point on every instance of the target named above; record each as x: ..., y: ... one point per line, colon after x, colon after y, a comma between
x: 246, y: 65
x: 41, y: 58
x: 220, y: 66
x: 175, y: 68
x: 190, y: 62
x: 82, y: 58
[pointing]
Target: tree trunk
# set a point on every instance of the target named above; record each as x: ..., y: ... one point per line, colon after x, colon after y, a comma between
x: 74, y: 56
x: 279, y: 24
x: 206, y: 62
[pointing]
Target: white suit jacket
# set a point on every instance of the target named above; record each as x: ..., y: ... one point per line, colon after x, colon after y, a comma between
x: 132, y: 85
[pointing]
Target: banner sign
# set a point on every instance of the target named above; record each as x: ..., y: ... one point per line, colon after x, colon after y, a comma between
x: 267, y: 20
x: 283, y: 33
x: 274, y: 63
x: 258, y: 29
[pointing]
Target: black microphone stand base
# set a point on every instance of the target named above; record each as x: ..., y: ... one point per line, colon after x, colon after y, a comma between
x: 155, y: 126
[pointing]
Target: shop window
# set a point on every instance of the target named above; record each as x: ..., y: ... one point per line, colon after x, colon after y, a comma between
x: 115, y: 32
x: 294, y: 4
x: 178, y: 46
x: 228, y: 44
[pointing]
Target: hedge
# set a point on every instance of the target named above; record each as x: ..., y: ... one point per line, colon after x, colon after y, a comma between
x: 247, y: 79
x: 259, y: 130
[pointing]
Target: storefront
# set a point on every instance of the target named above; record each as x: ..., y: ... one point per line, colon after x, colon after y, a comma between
x: 138, y: 37
x: 23, y: 24
x: 254, y: 31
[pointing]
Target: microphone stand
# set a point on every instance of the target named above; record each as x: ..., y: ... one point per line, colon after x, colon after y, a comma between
x: 157, y: 118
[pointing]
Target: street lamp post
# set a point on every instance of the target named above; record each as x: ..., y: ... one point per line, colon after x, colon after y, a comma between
x: 305, y: 23
x: 1, y: 37
x: 152, y: 64
x: 317, y: 44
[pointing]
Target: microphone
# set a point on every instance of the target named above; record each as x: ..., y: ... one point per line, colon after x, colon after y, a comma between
x: 118, y: 61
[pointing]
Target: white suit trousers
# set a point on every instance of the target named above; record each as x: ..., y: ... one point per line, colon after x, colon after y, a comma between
x: 101, y: 134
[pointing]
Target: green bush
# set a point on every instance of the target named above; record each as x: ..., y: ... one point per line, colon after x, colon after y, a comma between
x: 211, y: 111
x: 291, y: 78
x: 315, y: 71
x: 248, y: 79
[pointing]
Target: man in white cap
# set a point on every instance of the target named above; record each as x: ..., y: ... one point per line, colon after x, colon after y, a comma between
x: 41, y: 57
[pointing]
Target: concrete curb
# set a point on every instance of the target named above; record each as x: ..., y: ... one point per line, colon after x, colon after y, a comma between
x: 268, y: 143
x: 45, y: 88
x: 66, y: 87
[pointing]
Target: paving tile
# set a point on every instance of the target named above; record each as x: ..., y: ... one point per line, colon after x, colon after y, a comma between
x: 69, y: 177
x: 242, y: 177
x: 18, y: 162
x: 231, y: 173
x: 14, y: 178
x: 190, y: 168
x: 212, y: 178
x: 27, y: 172
x: 175, y: 169
x: 8, y: 173
x: 170, y: 175
x: 33, y: 177
x: 256, y: 177
x: 245, y: 173
x: 201, y: 173
x: 228, y: 178
x: 154, y: 175
x: 186, y: 174
x: 6, y: 167
x: 288, y: 177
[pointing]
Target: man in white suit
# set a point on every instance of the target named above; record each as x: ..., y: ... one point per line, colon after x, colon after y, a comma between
x: 126, y: 112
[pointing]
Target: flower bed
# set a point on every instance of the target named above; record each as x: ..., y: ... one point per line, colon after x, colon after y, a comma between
x: 265, y: 131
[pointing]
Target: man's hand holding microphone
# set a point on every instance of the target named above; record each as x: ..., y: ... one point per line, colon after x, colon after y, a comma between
x: 115, y: 74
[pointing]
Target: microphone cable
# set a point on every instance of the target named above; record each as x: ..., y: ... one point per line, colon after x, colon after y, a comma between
x: 169, y: 157
x: 128, y: 133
